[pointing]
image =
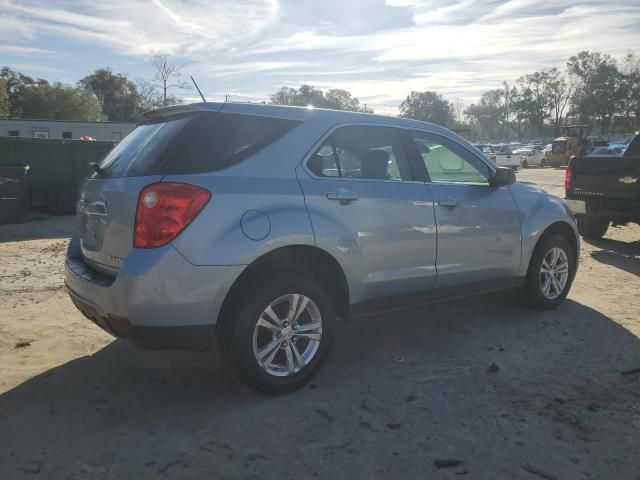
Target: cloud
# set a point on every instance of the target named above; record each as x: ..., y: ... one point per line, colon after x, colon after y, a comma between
x: 20, y: 50
x: 377, y: 50
x: 248, y: 68
x: 144, y: 27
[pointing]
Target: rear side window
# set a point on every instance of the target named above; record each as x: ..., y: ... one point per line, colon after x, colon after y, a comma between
x: 373, y: 153
x: 203, y: 142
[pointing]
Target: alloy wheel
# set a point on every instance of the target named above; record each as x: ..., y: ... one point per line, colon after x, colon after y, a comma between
x: 287, y: 335
x: 554, y: 273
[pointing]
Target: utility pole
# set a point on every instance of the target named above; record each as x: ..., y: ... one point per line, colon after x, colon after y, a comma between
x: 226, y: 97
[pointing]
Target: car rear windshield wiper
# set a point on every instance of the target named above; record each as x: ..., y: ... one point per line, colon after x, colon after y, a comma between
x: 101, y: 172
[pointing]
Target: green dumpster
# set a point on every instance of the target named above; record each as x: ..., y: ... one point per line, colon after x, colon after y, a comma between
x: 57, y: 167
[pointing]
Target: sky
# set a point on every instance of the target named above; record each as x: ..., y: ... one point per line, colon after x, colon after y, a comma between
x: 379, y: 50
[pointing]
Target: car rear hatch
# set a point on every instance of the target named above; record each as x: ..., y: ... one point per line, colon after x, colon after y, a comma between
x: 176, y: 141
x: 108, y: 199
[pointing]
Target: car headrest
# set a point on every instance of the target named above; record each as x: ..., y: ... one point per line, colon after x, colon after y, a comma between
x: 374, y: 164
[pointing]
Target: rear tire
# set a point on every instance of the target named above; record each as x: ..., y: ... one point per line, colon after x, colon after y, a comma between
x: 297, y: 357
x: 545, y: 291
x: 592, y: 227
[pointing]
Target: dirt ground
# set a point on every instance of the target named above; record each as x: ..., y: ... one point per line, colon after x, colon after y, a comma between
x: 510, y: 393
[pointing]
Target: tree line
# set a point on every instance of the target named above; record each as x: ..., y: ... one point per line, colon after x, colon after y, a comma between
x: 595, y: 89
x: 102, y: 95
x: 337, y: 99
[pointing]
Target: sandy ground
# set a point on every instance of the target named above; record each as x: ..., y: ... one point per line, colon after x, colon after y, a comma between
x: 509, y: 392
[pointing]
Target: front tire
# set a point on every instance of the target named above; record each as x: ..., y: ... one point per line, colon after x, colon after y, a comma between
x: 283, y: 334
x: 551, y: 272
x: 592, y: 227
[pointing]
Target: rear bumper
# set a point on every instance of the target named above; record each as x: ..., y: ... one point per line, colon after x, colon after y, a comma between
x: 188, y: 337
x: 158, y: 299
x: 626, y: 210
x: 577, y: 207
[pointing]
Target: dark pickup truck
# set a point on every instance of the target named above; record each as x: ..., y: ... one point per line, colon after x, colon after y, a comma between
x: 604, y: 190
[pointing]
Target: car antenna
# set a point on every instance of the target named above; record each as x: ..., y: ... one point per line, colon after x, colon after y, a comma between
x: 196, y: 85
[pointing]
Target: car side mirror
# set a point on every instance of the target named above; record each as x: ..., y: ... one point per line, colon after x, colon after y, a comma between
x: 502, y: 177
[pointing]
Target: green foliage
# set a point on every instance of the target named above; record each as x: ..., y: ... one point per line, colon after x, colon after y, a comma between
x: 630, y: 93
x: 117, y: 95
x: 60, y: 102
x: 598, y: 93
x: 306, y: 95
x: 428, y: 107
x: 4, y: 99
x: 15, y: 84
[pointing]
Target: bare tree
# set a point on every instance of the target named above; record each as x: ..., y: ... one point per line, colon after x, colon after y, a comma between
x: 167, y: 76
x: 559, y: 94
x: 458, y: 110
x: 148, y: 94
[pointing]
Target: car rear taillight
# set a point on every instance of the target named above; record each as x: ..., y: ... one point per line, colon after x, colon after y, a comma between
x: 164, y: 210
x: 567, y: 179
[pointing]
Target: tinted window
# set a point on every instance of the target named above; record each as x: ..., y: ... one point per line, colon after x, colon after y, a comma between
x: 559, y: 146
x: 447, y: 162
x: 197, y: 143
x: 373, y: 153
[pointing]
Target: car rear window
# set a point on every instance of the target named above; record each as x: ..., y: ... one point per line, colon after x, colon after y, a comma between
x: 195, y: 143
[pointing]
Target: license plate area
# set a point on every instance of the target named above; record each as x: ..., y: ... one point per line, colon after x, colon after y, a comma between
x: 578, y: 207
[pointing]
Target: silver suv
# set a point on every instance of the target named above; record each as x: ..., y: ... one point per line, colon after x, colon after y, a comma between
x: 262, y: 225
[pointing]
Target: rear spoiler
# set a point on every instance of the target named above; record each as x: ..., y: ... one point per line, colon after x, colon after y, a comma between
x: 160, y: 113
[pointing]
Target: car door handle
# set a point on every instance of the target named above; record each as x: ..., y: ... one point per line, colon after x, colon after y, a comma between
x: 343, y: 196
x: 449, y: 202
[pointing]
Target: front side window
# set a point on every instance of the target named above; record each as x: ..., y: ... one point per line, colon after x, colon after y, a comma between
x: 559, y: 146
x: 447, y: 162
x: 372, y: 153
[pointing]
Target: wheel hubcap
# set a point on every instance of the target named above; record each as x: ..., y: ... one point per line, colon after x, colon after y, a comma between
x: 554, y: 273
x: 287, y: 335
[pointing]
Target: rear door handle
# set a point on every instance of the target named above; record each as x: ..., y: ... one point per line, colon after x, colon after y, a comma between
x: 449, y: 202
x: 343, y: 196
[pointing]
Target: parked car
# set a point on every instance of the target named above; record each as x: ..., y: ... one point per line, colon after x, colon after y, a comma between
x: 604, y: 189
x: 487, y: 150
x: 530, y: 157
x: 505, y: 156
x: 263, y: 225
